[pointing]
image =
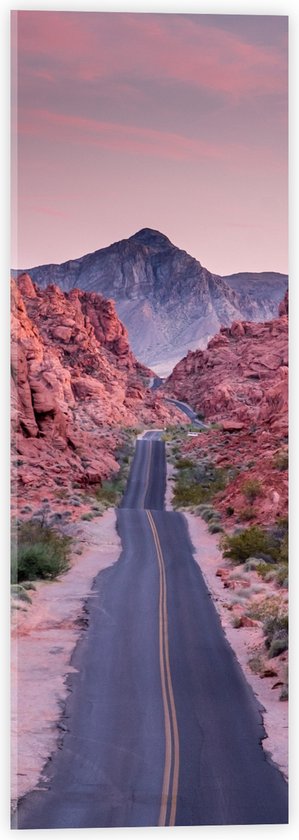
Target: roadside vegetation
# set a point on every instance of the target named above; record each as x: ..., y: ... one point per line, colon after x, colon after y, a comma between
x: 197, y: 482
x: 265, y: 549
x: 109, y: 493
x: 38, y: 552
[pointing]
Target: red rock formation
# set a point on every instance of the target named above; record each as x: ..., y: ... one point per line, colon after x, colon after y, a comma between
x: 75, y: 382
x: 241, y: 382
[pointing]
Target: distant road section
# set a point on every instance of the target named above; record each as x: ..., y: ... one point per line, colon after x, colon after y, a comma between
x: 188, y: 411
x: 160, y: 726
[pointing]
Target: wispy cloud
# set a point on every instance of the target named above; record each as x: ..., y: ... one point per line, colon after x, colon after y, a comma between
x: 132, y: 139
x: 136, y: 46
x: 48, y: 211
x: 116, y: 136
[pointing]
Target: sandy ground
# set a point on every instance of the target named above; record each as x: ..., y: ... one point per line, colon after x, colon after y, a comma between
x: 44, y: 636
x: 244, y: 640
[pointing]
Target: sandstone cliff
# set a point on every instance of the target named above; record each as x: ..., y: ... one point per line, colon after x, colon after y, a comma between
x: 241, y: 383
x: 75, y: 383
x: 168, y: 301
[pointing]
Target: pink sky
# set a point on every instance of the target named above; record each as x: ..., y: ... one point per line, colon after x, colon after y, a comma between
x: 170, y: 121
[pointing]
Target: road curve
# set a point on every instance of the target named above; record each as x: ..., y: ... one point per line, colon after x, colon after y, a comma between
x: 185, y: 408
x: 161, y: 727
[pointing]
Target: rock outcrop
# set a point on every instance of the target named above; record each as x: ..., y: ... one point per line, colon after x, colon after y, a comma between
x: 240, y: 382
x: 75, y: 383
x: 168, y: 301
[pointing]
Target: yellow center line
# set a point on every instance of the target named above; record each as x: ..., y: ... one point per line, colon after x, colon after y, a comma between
x: 169, y: 713
x: 148, y: 465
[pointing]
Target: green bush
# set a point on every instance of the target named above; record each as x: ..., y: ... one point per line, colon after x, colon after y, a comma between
x: 263, y: 569
x: 199, y: 484
x: 192, y: 495
x: 110, y: 492
x: 184, y: 463
x: 38, y: 551
x: 248, y: 543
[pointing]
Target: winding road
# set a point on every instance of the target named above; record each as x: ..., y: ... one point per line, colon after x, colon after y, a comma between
x: 185, y: 408
x: 161, y: 727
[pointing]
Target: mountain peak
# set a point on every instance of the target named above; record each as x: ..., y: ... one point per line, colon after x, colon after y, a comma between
x: 150, y: 237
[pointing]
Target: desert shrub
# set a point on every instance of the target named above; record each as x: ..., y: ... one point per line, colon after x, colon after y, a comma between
x: 284, y: 694
x: 250, y: 542
x: 110, y: 492
x: 199, y: 484
x: 184, y: 463
x: 209, y: 514
x: 215, y: 528
x: 252, y: 489
x: 229, y: 510
x: 278, y: 646
x: 61, y: 494
x: 251, y: 564
x: 246, y: 514
x: 282, y: 575
x: 268, y: 572
x: 263, y: 569
x: 38, y: 551
x: 256, y: 664
x: 264, y: 610
x: 284, y: 549
x: 185, y: 496
x: 281, y: 460
x: 275, y: 629
x: 237, y: 622
x: 18, y: 591
x: 87, y: 517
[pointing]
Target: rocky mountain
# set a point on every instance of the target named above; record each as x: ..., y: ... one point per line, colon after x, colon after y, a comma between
x: 75, y: 385
x: 240, y: 381
x: 266, y: 289
x: 168, y: 301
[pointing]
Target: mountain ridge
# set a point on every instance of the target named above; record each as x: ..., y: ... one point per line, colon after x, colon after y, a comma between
x: 167, y: 300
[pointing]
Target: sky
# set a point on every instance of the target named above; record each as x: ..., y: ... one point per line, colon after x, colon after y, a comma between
x: 176, y: 122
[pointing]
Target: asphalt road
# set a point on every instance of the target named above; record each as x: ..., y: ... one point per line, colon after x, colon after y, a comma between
x: 161, y: 727
x: 185, y: 408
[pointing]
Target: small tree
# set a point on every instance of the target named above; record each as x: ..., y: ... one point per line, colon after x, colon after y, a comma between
x: 252, y: 489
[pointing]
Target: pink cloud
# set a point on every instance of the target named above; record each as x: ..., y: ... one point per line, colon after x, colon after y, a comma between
x: 48, y: 211
x: 124, y: 138
x: 132, y: 139
x: 161, y: 47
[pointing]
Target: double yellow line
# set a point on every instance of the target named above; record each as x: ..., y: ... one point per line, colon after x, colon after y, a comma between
x: 148, y: 466
x: 172, y: 749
